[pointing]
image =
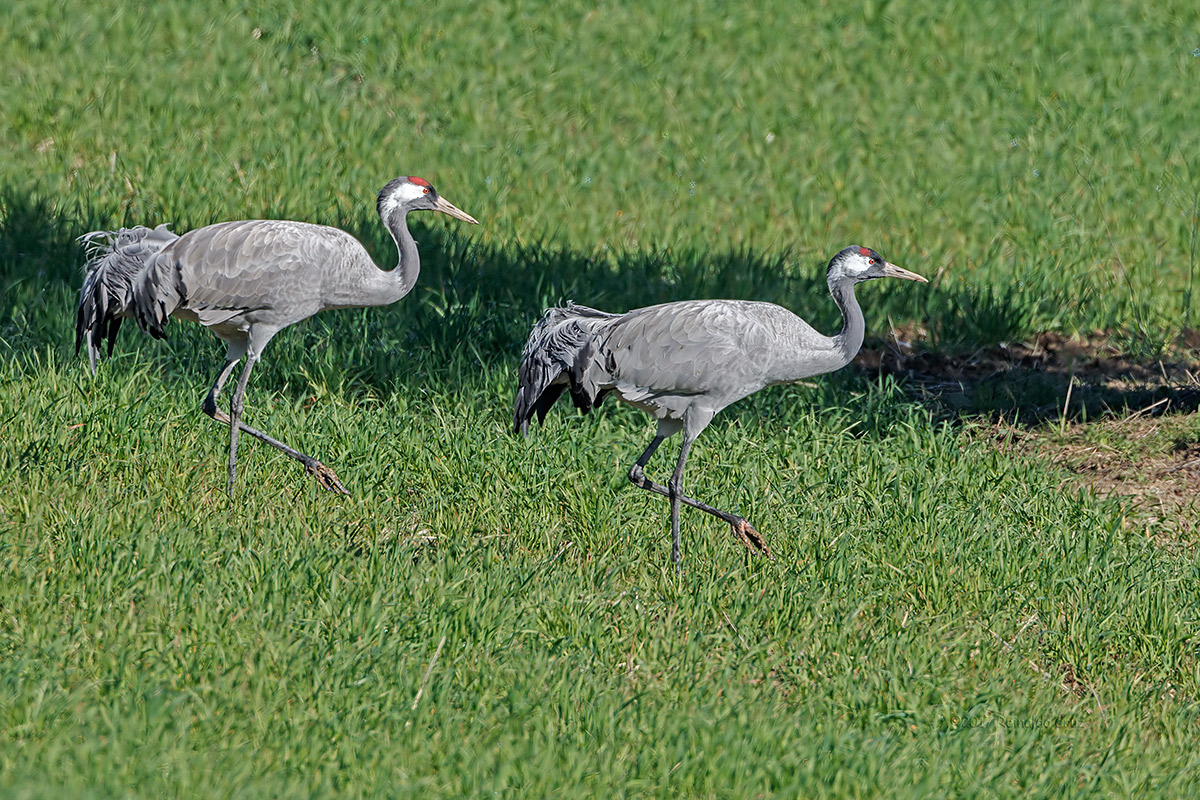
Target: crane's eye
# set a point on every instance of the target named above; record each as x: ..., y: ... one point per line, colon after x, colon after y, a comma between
x: 870, y: 261
x: 425, y: 190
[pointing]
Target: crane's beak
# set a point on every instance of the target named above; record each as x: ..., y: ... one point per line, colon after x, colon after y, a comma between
x: 892, y: 271
x: 446, y: 207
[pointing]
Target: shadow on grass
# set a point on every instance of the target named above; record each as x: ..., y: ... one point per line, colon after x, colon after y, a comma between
x: 37, y: 241
x: 1044, y: 378
x: 975, y: 350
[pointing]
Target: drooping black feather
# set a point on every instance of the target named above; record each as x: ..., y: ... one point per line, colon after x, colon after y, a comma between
x: 115, y: 259
x: 556, y: 354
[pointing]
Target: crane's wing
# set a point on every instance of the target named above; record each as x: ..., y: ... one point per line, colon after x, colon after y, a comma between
x: 692, y: 347
x: 221, y: 271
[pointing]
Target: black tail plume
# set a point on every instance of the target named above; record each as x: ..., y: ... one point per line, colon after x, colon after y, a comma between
x: 559, y: 349
x: 114, y: 259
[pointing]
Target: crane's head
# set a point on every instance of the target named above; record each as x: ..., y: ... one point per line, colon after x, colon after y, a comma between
x: 403, y: 195
x: 863, y: 264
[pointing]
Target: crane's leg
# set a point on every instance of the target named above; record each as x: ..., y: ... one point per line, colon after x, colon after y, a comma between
x: 235, y: 415
x: 210, y: 400
x: 324, y: 475
x: 636, y: 473
x: 674, y: 492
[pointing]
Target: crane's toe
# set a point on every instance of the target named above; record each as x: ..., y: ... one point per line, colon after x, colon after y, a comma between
x: 326, y: 477
x: 753, y: 540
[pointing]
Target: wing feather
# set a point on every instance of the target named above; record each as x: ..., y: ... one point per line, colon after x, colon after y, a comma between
x: 691, y: 347
x: 221, y: 271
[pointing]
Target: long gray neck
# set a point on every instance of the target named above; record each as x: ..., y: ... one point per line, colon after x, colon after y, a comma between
x: 849, y: 341
x: 804, y: 352
x: 362, y: 283
x: 377, y: 287
x: 403, y: 278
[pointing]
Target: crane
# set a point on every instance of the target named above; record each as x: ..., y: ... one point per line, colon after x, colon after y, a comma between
x: 246, y: 281
x: 684, y: 362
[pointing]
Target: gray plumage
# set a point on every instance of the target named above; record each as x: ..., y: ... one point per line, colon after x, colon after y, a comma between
x: 245, y: 281
x: 684, y: 362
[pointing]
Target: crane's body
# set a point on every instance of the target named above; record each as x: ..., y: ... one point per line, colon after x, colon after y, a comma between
x: 214, y: 276
x: 246, y: 281
x: 700, y: 356
x: 684, y: 362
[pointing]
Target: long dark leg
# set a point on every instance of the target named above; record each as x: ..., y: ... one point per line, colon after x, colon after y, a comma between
x: 324, y: 475
x: 636, y: 473
x: 675, y: 489
x: 235, y: 415
x: 210, y: 400
x: 741, y: 527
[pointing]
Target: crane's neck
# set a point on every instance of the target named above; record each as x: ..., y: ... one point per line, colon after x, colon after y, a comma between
x: 403, y: 278
x: 362, y: 283
x: 805, y: 352
x: 385, y: 287
x: 847, y: 343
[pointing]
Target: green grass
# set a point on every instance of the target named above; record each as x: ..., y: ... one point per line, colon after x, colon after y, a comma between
x: 490, y: 615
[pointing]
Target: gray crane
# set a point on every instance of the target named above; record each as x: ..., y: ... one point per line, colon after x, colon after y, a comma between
x: 684, y: 362
x: 246, y: 281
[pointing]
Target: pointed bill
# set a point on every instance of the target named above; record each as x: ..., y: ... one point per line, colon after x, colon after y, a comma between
x: 892, y: 271
x: 446, y: 207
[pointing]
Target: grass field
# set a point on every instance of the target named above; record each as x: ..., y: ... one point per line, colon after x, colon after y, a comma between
x: 487, y: 615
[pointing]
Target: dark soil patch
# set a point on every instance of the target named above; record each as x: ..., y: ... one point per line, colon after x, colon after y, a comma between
x: 1153, y: 462
x: 1083, y: 377
x: 1116, y: 424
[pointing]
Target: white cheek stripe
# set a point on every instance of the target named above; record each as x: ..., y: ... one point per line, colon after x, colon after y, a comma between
x: 861, y: 264
x: 409, y: 191
x: 403, y: 194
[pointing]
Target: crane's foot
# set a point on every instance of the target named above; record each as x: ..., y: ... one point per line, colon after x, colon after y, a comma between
x: 753, y: 540
x: 326, y: 477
